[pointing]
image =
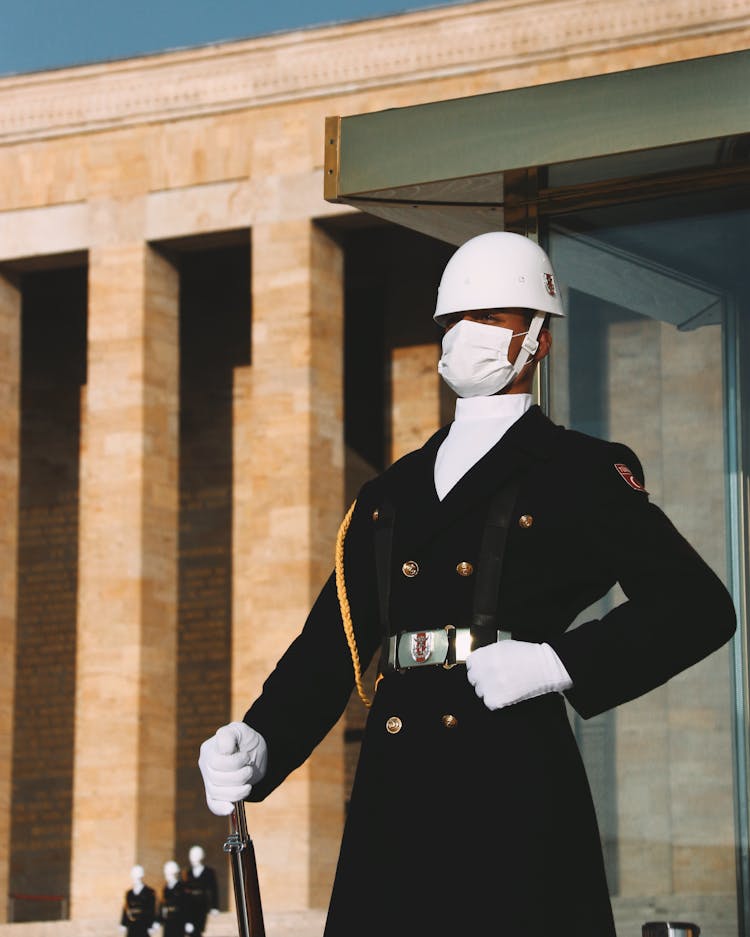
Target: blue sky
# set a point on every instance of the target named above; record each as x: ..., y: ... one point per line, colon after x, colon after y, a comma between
x: 36, y: 35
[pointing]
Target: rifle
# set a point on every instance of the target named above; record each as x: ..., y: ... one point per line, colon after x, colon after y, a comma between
x: 244, y: 875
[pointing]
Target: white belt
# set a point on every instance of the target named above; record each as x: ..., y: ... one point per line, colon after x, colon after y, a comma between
x: 443, y: 647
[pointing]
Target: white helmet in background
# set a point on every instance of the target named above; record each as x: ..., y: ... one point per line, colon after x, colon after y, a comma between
x: 171, y: 869
x: 498, y: 270
x: 196, y: 855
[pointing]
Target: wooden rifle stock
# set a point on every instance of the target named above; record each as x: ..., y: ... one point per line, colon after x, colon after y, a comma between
x: 245, y: 876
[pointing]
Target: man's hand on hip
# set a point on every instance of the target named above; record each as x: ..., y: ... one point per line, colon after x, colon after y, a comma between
x: 510, y: 671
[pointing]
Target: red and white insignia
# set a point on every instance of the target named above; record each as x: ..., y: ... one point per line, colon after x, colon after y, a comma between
x: 421, y: 646
x: 628, y: 476
x: 549, y: 284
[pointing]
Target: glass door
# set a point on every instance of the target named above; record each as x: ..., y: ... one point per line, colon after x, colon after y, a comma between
x: 651, y: 354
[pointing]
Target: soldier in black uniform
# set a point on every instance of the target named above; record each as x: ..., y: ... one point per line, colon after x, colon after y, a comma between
x: 139, y: 908
x: 172, y: 901
x: 201, y: 892
x: 464, y: 565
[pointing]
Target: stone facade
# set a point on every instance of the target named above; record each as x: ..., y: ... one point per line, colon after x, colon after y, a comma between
x: 127, y: 175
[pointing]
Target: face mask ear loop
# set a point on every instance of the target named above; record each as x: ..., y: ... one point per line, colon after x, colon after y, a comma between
x: 529, y: 345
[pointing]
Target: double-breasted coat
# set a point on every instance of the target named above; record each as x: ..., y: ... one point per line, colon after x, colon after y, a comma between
x: 200, y: 894
x: 172, y: 909
x: 138, y: 911
x: 483, y: 824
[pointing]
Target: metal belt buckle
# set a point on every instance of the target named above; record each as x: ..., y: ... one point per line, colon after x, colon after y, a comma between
x: 427, y: 647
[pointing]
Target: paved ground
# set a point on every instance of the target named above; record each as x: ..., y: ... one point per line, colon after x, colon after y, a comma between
x: 716, y: 916
x: 288, y: 924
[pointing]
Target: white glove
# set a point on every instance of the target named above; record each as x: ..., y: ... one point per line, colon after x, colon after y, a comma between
x: 189, y: 928
x: 123, y: 929
x: 231, y: 761
x: 214, y: 911
x: 510, y: 671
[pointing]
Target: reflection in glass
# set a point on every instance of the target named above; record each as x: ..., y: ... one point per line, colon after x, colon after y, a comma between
x: 652, y: 292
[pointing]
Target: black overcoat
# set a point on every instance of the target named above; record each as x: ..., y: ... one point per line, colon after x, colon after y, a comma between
x: 201, y: 893
x: 139, y: 911
x: 172, y: 909
x: 487, y: 827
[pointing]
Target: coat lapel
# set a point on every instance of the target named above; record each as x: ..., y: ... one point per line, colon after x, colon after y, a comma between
x: 419, y: 512
x: 410, y: 485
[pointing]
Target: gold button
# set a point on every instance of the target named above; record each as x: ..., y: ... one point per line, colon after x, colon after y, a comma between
x: 410, y: 569
x: 464, y: 569
x: 525, y: 520
x: 375, y: 514
x: 393, y: 725
x: 449, y: 721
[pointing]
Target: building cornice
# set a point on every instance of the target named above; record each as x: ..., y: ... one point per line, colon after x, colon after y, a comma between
x: 334, y: 60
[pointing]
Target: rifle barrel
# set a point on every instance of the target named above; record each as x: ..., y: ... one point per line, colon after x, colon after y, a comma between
x: 244, y: 876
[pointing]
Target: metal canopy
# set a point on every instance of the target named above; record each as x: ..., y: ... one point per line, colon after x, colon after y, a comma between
x: 442, y: 168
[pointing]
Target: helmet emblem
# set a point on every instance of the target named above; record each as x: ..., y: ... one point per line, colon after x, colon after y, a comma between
x: 549, y: 284
x: 421, y: 646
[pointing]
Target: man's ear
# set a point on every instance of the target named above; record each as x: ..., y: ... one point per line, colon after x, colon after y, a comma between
x: 545, y: 343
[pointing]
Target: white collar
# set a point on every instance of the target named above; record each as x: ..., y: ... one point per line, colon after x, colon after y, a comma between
x: 495, y: 407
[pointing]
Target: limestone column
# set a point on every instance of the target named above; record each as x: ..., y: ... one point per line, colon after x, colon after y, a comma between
x: 288, y: 503
x: 415, y: 397
x: 123, y: 790
x: 420, y: 399
x: 10, y: 376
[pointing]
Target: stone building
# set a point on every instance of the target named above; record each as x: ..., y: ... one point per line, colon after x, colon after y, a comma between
x: 203, y: 358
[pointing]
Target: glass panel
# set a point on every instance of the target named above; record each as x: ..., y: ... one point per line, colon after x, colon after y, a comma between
x: 652, y: 294
x: 679, y: 157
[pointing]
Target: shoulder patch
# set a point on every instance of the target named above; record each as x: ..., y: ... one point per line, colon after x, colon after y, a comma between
x: 627, y: 475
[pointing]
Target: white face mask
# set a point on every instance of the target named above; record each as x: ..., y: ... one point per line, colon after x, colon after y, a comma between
x: 475, y: 361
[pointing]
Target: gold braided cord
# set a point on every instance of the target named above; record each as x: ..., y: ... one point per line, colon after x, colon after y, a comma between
x: 346, y: 614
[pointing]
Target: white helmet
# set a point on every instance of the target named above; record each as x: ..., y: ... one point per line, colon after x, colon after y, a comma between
x: 498, y: 270
x: 196, y: 855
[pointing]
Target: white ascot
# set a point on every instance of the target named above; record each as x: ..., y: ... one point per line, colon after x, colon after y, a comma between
x: 479, y: 423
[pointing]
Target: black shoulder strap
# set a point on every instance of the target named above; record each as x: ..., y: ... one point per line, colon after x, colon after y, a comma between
x: 383, y: 520
x: 484, y: 625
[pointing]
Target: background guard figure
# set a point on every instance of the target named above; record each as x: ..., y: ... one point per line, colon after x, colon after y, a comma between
x: 139, y: 909
x: 172, y: 901
x: 201, y: 892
